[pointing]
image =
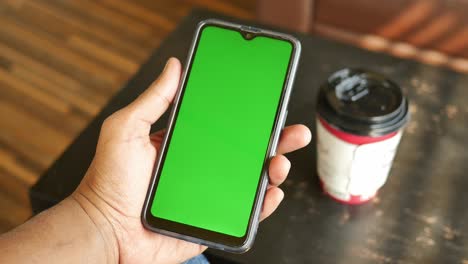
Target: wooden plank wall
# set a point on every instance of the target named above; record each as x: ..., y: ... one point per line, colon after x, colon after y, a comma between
x: 60, y: 61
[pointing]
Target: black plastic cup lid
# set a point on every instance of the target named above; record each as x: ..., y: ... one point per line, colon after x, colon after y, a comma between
x: 363, y: 103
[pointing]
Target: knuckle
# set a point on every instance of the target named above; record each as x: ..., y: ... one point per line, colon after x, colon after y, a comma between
x: 107, y: 124
x: 118, y: 118
x: 122, y: 123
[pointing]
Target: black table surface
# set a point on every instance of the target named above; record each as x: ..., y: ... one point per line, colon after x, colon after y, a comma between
x: 420, y: 215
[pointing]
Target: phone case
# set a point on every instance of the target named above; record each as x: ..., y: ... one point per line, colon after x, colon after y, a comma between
x: 279, y: 124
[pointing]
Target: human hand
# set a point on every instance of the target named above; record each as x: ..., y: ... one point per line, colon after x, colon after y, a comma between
x: 113, y: 190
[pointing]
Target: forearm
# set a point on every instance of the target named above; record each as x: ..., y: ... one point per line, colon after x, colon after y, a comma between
x: 64, y: 233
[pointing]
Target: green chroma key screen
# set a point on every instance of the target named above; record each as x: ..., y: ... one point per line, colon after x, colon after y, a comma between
x: 213, y: 164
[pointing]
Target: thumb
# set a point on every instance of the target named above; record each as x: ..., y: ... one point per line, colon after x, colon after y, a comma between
x: 152, y: 103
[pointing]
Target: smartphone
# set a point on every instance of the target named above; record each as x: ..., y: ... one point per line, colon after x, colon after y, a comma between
x: 211, y: 173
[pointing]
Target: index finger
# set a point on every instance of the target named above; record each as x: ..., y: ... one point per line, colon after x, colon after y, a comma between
x: 293, y: 138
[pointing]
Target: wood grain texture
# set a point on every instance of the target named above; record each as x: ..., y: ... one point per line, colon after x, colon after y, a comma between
x: 60, y: 62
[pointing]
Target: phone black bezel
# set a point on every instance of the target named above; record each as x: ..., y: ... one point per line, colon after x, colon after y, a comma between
x: 187, y: 231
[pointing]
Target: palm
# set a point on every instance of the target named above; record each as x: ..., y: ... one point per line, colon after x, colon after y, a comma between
x: 127, y: 164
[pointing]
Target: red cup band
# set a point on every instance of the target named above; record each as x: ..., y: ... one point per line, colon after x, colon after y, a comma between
x: 353, y: 199
x: 351, y: 138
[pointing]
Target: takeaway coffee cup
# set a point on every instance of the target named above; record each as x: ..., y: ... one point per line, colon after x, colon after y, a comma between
x: 360, y: 117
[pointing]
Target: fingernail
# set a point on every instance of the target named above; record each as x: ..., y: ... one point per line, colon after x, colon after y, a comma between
x: 282, y: 196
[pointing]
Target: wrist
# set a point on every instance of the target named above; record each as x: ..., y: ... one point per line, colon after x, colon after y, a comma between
x: 69, y: 232
x: 100, y: 227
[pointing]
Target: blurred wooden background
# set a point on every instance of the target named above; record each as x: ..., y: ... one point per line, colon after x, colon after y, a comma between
x: 61, y: 61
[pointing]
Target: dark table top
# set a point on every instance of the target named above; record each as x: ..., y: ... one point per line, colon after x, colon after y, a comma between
x: 420, y: 215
